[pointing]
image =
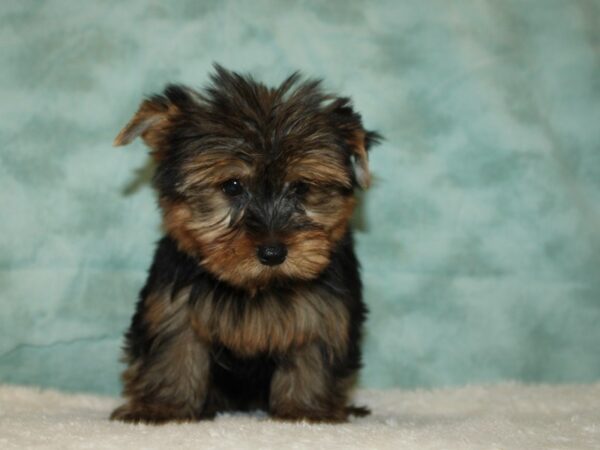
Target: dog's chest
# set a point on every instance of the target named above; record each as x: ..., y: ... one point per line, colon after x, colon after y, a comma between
x: 272, y: 323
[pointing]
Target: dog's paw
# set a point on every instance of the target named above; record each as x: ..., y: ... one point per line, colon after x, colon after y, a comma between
x: 150, y: 414
x: 358, y: 411
x: 312, y: 416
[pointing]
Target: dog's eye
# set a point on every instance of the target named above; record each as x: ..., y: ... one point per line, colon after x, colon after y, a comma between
x: 232, y: 187
x: 300, y: 187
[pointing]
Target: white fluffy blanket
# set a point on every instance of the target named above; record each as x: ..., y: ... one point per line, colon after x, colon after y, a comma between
x: 508, y: 416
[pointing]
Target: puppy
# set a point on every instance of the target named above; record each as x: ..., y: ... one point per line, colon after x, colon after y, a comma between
x: 253, y: 300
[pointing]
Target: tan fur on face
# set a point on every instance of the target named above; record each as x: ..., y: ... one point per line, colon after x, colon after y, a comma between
x: 273, y: 325
x: 202, y: 223
x: 230, y: 253
x: 319, y: 168
x: 211, y: 169
x: 331, y: 210
x: 200, y: 217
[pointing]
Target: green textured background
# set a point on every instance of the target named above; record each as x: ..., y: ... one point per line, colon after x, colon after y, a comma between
x: 480, y: 240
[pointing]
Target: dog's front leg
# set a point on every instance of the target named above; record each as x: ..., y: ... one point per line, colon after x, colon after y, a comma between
x: 168, y: 373
x: 304, y: 388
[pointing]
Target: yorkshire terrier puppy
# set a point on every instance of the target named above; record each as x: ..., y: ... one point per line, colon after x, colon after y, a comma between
x: 253, y: 300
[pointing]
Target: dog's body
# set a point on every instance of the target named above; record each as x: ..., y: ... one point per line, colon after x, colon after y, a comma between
x: 254, y: 298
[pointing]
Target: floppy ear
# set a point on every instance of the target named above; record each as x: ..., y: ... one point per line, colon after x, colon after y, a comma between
x: 155, y: 115
x: 357, y: 138
x: 147, y: 122
x: 360, y: 143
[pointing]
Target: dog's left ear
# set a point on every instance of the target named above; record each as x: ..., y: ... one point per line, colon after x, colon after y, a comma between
x: 360, y: 143
x: 356, y: 137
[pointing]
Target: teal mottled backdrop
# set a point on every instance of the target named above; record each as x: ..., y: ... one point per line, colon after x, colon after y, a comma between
x: 480, y: 240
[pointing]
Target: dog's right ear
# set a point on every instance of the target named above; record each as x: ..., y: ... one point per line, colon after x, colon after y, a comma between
x: 146, y: 122
x: 154, y: 117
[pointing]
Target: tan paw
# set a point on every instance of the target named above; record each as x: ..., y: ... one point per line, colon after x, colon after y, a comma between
x: 151, y: 414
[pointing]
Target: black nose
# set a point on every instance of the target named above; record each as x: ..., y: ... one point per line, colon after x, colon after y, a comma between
x: 271, y: 254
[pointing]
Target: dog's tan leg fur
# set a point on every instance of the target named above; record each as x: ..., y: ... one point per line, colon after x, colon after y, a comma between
x: 303, y: 389
x: 171, y: 383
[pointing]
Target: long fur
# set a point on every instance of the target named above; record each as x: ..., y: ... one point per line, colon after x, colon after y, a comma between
x: 215, y: 329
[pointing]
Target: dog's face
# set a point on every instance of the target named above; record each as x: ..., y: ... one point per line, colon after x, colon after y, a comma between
x: 257, y: 183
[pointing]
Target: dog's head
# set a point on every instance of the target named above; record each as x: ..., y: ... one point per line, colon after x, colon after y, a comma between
x: 257, y: 183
